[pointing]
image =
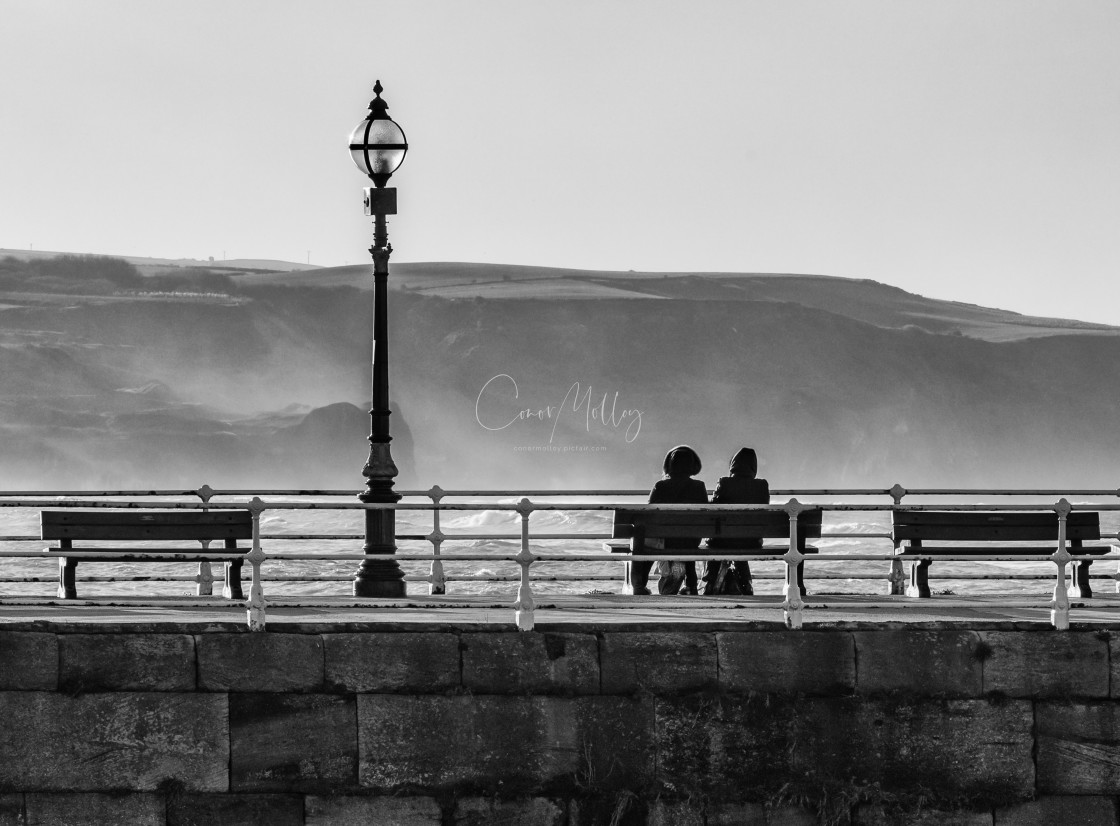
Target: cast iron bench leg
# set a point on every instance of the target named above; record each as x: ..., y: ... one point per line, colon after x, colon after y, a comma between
x: 1081, y: 587
x: 231, y: 589
x: 67, y: 569
x: 919, y: 579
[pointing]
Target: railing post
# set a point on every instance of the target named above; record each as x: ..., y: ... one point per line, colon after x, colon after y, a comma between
x: 205, y: 576
x: 524, y: 606
x: 256, y: 604
x: 436, y: 583
x: 896, y: 578
x: 1116, y: 576
x: 793, y: 558
x: 1059, y: 611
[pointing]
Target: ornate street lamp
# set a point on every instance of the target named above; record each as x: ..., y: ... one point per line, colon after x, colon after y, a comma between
x: 378, y: 147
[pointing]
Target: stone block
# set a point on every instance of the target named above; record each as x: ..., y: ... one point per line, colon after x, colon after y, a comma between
x: 1078, y: 747
x: 393, y: 663
x: 737, y: 814
x: 917, y: 661
x: 1114, y: 659
x: 622, y: 809
x: 126, y: 662
x: 674, y: 813
x: 260, y: 661
x: 531, y: 663
x: 785, y: 662
x: 724, y: 747
x: 614, y: 741
x: 118, y: 741
x: 293, y: 743
x: 529, y: 811
x: 502, y: 745
x: 11, y: 810
x: 1046, y: 663
x: 791, y: 816
x: 961, y: 748
x: 235, y: 810
x: 1067, y: 810
x: 662, y: 663
x: 732, y: 748
x: 364, y: 811
x: 28, y: 661
x: 871, y: 815
x: 75, y: 809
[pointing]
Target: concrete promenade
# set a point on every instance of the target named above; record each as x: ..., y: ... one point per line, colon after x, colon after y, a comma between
x: 565, y: 612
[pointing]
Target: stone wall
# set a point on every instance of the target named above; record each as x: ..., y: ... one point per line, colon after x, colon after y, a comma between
x: 704, y: 725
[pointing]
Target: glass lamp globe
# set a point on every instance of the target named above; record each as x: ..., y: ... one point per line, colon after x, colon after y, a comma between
x: 377, y: 144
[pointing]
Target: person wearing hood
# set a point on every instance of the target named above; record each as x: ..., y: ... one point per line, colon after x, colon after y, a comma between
x: 676, y: 487
x: 740, y: 488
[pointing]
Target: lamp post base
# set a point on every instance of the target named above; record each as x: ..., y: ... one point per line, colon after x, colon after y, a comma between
x: 379, y: 577
x: 371, y: 581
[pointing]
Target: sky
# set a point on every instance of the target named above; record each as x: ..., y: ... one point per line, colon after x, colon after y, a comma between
x: 960, y: 150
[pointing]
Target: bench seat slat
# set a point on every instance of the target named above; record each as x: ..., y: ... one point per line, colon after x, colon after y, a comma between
x: 756, y: 524
x: 949, y: 526
x: 999, y: 550
x: 157, y: 525
x: 55, y: 550
x: 622, y: 546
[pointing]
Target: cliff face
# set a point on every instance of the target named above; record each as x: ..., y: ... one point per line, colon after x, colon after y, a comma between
x: 509, y: 376
x: 826, y: 400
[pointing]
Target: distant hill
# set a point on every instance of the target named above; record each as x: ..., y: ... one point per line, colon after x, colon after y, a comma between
x: 149, y: 266
x: 861, y: 300
x: 521, y: 376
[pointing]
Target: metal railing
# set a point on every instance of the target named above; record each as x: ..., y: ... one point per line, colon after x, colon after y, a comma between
x: 529, y: 541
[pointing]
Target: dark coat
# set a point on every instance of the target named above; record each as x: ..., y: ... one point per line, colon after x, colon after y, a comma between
x: 741, y: 488
x: 679, y: 488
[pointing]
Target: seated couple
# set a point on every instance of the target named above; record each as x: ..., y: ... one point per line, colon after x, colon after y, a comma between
x: 678, y: 487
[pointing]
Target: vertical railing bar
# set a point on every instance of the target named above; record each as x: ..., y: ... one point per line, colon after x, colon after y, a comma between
x: 525, y: 605
x: 256, y: 604
x: 1059, y: 613
x: 205, y: 576
x: 437, y: 584
x: 896, y: 578
x: 792, y: 604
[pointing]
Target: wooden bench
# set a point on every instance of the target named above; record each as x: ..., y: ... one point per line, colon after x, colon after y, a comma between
x: 634, y: 530
x: 68, y: 527
x: 912, y: 529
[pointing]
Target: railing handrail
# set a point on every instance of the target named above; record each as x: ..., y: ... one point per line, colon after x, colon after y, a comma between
x: 439, y: 493
x: 525, y: 508
x: 546, y: 506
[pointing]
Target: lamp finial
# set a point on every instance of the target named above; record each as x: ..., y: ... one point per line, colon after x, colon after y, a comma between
x: 377, y: 107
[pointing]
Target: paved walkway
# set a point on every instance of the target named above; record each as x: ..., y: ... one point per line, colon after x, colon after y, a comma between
x: 567, y: 612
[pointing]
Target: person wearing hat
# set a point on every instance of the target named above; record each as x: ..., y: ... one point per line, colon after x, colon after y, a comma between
x: 676, y: 487
x: 740, y: 488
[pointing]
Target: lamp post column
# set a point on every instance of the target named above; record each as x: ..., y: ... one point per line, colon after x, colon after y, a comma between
x: 378, y: 147
x: 380, y: 577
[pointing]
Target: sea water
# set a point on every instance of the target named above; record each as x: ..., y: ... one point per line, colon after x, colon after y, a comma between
x: 492, y: 574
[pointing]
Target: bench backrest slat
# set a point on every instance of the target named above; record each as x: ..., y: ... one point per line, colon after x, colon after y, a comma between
x: 971, y: 526
x: 154, y: 525
x: 756, y: 524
